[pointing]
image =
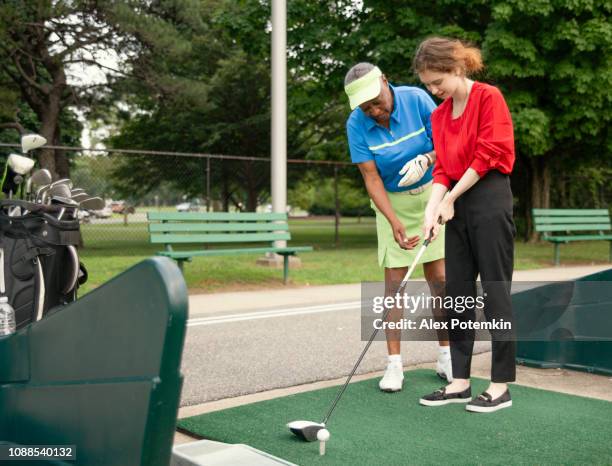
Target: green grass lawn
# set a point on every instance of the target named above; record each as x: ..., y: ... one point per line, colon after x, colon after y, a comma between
x: 110, y: 249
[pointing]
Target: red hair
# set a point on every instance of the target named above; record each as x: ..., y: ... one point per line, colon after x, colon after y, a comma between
x: 445, y: 55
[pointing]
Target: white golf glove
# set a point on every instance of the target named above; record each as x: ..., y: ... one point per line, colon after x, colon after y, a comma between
x: 414, y: 170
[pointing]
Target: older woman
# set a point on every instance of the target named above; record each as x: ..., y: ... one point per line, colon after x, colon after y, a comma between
x: 389, y: 135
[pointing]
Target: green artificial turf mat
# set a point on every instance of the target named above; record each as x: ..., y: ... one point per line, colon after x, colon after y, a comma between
x: 374, y: 428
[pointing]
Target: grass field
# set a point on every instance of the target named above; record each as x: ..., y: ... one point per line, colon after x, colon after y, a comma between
x: 110, y: 249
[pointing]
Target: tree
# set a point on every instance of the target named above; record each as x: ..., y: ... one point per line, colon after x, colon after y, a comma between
x: 45, y: 44
x: 230, y: 114
x: 552, y: 58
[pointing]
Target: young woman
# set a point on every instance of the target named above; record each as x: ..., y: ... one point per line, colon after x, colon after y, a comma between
x: 474, y: 142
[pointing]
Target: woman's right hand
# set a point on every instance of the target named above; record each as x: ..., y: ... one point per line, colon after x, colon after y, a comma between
x: 431, y: 225
x: 399, y: 233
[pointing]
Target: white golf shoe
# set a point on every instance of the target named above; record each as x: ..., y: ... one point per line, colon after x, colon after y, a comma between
x: 393, y: 379
x: 444, y: 368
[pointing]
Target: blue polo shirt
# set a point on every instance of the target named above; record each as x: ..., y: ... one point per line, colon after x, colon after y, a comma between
x: 409, y: 135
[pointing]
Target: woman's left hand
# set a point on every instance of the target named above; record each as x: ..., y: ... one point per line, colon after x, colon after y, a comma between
x: 414, y: 170
x: 446, y: 210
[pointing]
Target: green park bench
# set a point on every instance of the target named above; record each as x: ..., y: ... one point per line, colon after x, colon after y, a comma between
x: 208, y: 228
x: 568, y: 221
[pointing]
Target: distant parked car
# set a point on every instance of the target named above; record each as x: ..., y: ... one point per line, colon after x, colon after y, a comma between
x: 117, y: 206
x: 188, y: 207
x: 121, y: 207
x: 107, y: 212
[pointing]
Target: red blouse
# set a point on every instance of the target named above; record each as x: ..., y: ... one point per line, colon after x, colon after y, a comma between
x: 481, y: 138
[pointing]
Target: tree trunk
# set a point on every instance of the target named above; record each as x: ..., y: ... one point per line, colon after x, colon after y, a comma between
x: 61, y: 161
x: 252, y: 193
x: 49, y: 114
x: 225, y: 194
x: 48, y: 130
x: 539, y: 175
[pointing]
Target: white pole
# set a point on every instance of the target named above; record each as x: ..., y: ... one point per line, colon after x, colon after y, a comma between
x: 279, y: 109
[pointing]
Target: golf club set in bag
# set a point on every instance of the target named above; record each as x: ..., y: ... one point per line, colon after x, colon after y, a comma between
x: 39, y: 233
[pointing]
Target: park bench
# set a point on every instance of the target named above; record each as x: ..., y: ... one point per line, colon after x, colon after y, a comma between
x: 211, y: 228
x: 568, y: 221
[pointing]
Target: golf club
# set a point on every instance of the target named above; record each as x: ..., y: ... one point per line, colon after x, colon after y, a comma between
x: 58, y: 190
x: 308, y: 430
x: 20, y: 164
x: 39, y: 178
x: 16, y: 167
x: 63, y: 201
x: 31, y: 141
x: 80, y: 197
x: 92, y: 203
x: 64, y: 181
x: 39, y: 193
x: 63, y: 191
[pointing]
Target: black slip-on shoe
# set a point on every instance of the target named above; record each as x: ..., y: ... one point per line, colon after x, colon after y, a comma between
x: 484, y: 403
x: 440, y: 397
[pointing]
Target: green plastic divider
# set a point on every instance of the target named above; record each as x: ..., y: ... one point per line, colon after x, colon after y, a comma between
x: 574, y: 324
x: 103, y: 373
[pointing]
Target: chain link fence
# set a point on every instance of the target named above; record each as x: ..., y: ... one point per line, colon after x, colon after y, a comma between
x: 133, y: 183
x: 321, y: 194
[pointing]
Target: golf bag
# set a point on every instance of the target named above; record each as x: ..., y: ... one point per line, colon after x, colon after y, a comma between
x: 39, y: 265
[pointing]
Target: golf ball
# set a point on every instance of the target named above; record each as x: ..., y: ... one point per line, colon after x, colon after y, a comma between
x: 323, y: 435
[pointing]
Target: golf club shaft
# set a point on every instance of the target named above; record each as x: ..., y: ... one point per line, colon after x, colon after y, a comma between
x: 375, y: 332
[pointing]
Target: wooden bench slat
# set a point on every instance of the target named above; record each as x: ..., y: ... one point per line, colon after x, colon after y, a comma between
x: 218, y: 238
x: 574, y: 227
x: 563, y: 239
x: 570, y: 212
x: 216, y: 216
x: 568, y: 220
x: 225, y: 252
x: 200, y: 227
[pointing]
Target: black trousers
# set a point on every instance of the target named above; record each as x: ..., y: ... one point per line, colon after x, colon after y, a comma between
x: 480, y: 240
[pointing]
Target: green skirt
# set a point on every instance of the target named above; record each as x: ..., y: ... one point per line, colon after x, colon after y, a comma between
x: 410, y: 209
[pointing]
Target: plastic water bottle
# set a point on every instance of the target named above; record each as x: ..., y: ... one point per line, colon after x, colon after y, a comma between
x: 7, y: 317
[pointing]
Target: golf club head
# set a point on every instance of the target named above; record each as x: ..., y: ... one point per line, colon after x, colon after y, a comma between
x: 80, y: 196
x: 39, y: 178
x: 31, y: 141
x: 93, y: 203
x: 40, y: 192
x: 77, y: 191
x: 305, y: 430
x: 20, y: 164
x: 65, y: 201
x: 64, y: 181
x: 59, y: 190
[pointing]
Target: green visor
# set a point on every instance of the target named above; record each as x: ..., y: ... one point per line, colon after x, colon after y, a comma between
x: 365, y: 88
